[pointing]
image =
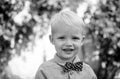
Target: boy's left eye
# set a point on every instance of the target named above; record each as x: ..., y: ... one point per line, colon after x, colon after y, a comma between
x: 75, y: 38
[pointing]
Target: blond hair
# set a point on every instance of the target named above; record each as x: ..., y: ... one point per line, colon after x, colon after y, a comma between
x: 68, y: 18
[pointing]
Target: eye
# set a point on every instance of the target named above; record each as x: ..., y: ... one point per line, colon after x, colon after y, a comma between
x: 75, y: 38
x: 61, y: 37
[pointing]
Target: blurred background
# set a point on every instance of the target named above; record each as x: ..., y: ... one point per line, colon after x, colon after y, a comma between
x: 24, y: 31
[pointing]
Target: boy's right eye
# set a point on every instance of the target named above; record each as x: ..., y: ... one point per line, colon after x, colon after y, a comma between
x: 61, y: 37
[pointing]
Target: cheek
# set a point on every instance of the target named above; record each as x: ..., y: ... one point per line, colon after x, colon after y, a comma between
x: 78, y: 45
x: 58, y: 44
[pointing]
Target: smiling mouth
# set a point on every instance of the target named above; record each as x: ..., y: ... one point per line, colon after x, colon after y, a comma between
x: 68, y: 50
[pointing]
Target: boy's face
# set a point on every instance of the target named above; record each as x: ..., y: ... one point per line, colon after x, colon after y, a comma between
x: 67, y: 42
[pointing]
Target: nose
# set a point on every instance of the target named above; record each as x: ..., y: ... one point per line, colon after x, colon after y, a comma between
x: 68, y: 43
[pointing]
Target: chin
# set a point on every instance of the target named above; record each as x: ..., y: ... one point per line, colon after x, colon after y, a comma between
x: 69, y: 57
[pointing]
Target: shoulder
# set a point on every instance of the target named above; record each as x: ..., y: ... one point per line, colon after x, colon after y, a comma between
x: 46, y: 68
x: 43, y: 69
x: 86, y: 66
x: 47, y: 65
x: 89, y: 70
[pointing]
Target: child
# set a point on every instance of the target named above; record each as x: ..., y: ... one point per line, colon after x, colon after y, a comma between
x: 67, y: 33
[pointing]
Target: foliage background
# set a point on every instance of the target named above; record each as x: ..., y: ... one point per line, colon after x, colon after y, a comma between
x: 22, y: 21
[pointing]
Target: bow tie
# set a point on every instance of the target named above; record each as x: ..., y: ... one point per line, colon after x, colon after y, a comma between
x: 73, y: 66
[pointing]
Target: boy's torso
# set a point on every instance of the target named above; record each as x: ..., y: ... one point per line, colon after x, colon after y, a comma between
x: 52, y: 70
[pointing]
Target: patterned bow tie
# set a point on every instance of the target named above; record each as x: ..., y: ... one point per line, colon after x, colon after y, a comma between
x: 73, y: 66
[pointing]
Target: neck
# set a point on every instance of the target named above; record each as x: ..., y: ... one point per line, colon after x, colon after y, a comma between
x: 66, y: 59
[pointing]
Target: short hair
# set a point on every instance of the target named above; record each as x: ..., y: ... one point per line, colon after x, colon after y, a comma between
x: 69, y: 18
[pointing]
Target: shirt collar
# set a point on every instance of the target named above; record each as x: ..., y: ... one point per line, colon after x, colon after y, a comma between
x: 59, y: 61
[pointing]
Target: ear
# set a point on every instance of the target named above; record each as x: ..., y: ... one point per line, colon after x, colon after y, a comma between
x: 51, y: 39
x: 83, y: 40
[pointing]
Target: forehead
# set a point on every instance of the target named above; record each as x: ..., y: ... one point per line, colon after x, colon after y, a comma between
x: 65, y: 31
x: 70, y: 29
